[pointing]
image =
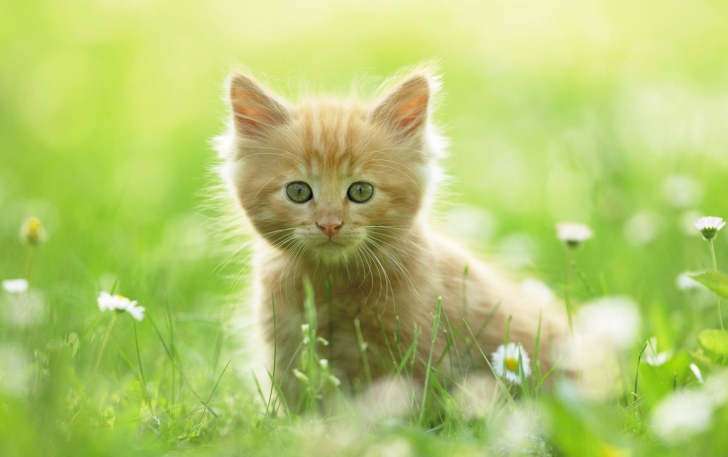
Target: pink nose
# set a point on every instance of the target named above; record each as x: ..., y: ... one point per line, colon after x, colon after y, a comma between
x: 330, y: 229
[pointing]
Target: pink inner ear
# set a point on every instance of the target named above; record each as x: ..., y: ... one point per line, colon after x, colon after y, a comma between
x: 249, y: 116
x: 254, y: 111
x: 410, y: 115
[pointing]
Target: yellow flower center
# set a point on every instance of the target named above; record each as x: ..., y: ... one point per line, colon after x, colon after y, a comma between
x: 120, y: 297
x: 606, y: 450
x: 511, y: 364
x: 32, y: 231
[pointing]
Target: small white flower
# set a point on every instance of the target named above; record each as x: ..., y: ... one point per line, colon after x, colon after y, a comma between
x: 716, y: 387
x: 509, y: 361
x: 654, y: 358
x: 15, y: 286
x: 685, y: 282
x: 709, y: 226
x: 682, y: 415
x: 107, y: 301
x: 572, y: 234
x: 610, y: 322
x: 324, y: 364
x: 537, y: 290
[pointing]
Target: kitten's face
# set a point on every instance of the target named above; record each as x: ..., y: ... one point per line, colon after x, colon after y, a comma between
x: 329, y: 179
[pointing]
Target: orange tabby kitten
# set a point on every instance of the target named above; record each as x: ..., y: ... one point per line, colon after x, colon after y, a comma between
x: 339, y: 189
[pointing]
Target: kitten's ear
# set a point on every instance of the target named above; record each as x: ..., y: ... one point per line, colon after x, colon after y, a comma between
x: 404, y: 109
x: 255, y: 111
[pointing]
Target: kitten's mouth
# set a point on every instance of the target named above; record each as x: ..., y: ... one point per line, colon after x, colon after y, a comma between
x: 333, y: 248
x: 332, y: 244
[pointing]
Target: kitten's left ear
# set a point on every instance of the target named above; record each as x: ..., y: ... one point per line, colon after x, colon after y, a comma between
x: 404, y: 109
x: 255, y: 110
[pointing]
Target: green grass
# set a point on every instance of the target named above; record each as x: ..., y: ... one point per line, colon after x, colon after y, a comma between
x: 562, y: 111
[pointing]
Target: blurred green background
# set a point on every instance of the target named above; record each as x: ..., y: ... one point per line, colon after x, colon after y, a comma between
x: 610, y: 113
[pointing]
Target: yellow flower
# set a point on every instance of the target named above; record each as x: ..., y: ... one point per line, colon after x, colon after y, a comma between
x: 32, y: 231
x: 606, y: 450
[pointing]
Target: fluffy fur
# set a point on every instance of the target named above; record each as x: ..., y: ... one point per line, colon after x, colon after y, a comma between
x: 385, y: 262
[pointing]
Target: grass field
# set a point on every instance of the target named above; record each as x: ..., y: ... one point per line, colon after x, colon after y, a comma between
x: 609, y: 113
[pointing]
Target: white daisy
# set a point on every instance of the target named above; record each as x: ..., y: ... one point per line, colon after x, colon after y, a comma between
x: 107, y: 301
x: 509, y: 360
x: 572, y: 234
x: 610, y: 322
x: 15, y: 286
x: 682, y: 415
x: 709, y: 226
x: 716, y: 387
x: 685, y: 282
x: 538, y: 291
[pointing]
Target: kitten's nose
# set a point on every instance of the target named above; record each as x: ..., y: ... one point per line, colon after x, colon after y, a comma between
x: 330, y: 229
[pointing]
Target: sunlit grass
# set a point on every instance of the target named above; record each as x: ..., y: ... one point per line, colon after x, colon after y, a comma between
x: 612, y: 114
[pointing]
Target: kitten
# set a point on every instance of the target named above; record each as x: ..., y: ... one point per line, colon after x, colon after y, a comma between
x: 339, y: 189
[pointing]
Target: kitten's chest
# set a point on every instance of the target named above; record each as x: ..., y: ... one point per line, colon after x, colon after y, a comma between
x: 341, y: 305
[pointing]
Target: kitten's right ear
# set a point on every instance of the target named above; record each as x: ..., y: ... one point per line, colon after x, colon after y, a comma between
x: 404, y: 109
x: 255, y: 111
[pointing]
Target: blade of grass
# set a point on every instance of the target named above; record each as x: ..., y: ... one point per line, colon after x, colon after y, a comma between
x: 498, y: 380
x: 450, y: 343
x: 409, y: 354
x: 536, y: 356
x: 480, y: 330
x: 386, y: 342
x: 363, y: 351
x: 176, y: 365
x: 435, y: 326
x: 275, y: 351
x: 281, y: 397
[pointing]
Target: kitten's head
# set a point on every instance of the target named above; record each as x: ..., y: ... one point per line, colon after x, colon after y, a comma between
x: 330, y: 177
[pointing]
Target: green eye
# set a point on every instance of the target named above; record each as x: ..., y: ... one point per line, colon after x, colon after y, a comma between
x: 360, y: 192
x: 299, y: 192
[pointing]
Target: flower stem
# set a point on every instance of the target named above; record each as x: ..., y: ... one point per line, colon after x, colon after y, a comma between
x: 29, y: 263
x: 567, y: 300
x: 103, y: 344
x: 717, y: 298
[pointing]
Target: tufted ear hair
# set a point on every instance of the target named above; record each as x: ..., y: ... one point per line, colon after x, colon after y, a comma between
x: 404, y: 109
x: 255, y: 110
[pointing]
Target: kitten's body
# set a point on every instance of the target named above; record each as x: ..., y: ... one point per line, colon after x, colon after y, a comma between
x: 386, y: 265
